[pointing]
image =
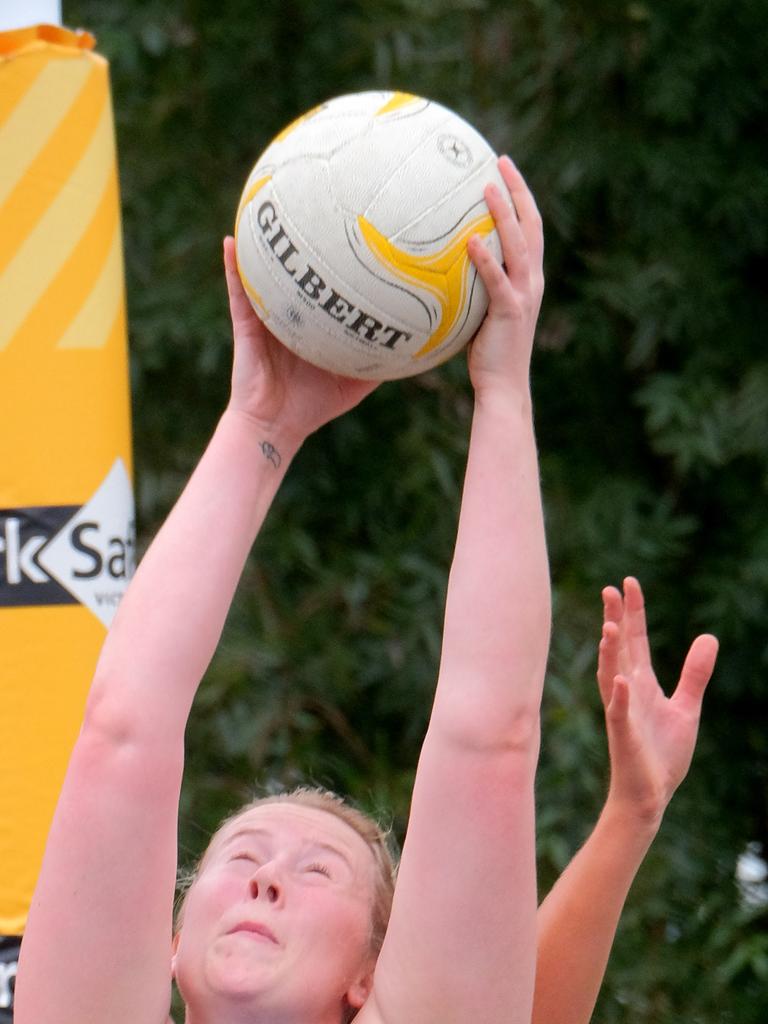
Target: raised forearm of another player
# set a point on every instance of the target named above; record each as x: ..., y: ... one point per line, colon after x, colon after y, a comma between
x: 577, y: 922
x: 651, y: 739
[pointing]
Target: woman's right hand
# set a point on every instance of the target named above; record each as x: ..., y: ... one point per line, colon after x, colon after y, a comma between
x: 280, y: 392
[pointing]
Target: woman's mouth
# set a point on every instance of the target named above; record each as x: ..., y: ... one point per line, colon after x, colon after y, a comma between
x: 254, y: 928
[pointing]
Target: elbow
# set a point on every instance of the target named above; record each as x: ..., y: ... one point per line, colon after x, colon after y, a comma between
x: 114, y: 730
x: 114, y: 753
x: 523, y: 731
x: 484, y: 729
x: 107, y: 721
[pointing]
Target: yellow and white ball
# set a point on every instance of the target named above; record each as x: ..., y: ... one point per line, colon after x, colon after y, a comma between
x: 352, y: 234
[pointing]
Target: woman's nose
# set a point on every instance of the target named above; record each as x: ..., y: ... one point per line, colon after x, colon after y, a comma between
x: 265, y: 884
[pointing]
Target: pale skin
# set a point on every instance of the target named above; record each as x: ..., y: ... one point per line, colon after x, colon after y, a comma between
x: 651, y: 748
x: 96, y: 947
x: 651, y: 739
x: 284, y: 892
x: 98, y: 943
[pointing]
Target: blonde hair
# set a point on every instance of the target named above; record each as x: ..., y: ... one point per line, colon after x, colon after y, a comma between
x: 378, y: 840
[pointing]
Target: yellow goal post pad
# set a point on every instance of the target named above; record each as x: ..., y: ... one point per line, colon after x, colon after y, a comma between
x: 66, y: 504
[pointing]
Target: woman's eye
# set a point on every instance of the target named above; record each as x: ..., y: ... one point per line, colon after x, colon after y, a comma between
x: 320, y: 869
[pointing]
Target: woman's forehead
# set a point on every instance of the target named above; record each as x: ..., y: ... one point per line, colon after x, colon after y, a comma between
x: 282, y: 821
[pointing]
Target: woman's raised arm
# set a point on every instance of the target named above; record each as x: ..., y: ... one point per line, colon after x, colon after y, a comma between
x: 98, y: 941
x: 651, y: 740
x: 460, y: 948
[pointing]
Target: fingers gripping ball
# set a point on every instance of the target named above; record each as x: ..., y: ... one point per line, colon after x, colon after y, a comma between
x: 352, y: 234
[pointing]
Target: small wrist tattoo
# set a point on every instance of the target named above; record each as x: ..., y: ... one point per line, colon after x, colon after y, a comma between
x: 271, y: 453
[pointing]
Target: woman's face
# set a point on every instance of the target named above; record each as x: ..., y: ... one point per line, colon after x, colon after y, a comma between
x: 278, y: 918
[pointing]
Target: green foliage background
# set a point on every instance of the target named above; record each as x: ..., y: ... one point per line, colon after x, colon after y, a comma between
x: 641, y: 128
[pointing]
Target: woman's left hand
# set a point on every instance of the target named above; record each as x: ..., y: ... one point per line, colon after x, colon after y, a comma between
x: 651, y: 738
x: 500, y: 354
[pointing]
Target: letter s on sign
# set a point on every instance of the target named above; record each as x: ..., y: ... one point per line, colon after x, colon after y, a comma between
x: 79, y: 545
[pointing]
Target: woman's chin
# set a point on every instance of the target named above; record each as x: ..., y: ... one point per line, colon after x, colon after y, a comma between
x: 228, y: 975
x: 235, y: 967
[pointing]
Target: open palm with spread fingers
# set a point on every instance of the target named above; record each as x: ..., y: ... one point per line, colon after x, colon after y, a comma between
x: 650, y: 737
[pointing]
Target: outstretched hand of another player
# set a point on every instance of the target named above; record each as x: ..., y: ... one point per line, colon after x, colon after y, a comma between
x: 651, y: 738
x: 500, y: 353
x: 271, y: 385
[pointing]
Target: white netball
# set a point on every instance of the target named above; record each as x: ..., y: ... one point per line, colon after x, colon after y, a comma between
x: 352, y: 234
